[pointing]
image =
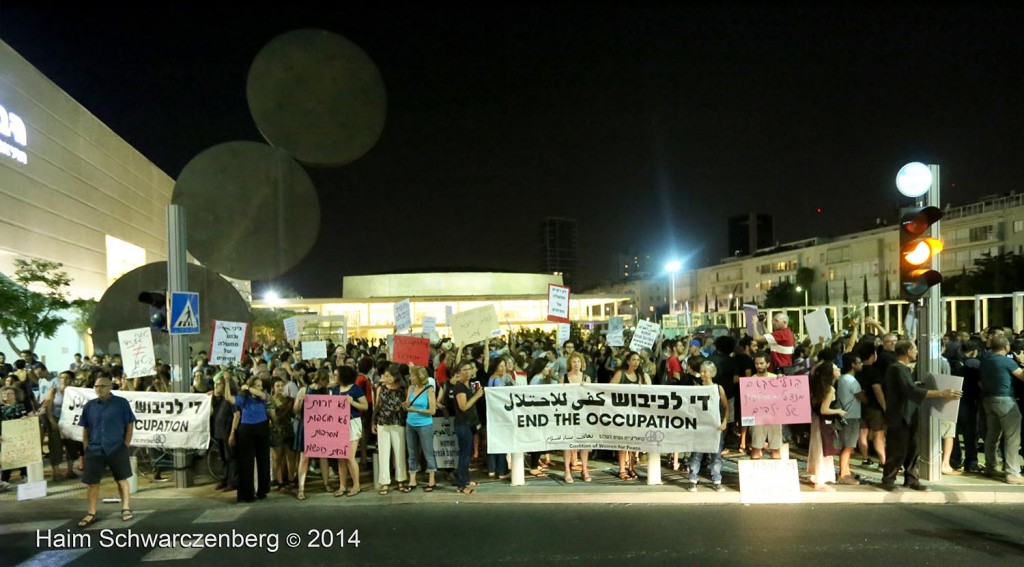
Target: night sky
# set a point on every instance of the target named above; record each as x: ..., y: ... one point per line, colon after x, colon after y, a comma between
x: 650, y: 125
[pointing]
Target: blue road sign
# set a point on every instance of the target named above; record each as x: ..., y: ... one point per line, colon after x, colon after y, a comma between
x: 184, y: 313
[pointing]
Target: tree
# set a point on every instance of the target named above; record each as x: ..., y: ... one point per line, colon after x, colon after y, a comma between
x: 805, y: 279
x: 783, y: 295
x: 32, y: 301
x: 1002, y: 273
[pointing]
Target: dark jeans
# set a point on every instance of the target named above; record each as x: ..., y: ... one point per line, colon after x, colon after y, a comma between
x: 253, y: 444
x: 464, y: 434
x: 901, y: 449
x: 228, y: 457
x: 967, y: 426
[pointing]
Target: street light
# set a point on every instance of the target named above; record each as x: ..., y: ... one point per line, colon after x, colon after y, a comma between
x: 673, y: 267
x: 798, y: 288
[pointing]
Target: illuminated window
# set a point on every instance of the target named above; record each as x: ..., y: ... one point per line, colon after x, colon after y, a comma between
x: 122, y: 257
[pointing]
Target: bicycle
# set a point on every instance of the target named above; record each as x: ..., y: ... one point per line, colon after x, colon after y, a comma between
x: 154, y: 463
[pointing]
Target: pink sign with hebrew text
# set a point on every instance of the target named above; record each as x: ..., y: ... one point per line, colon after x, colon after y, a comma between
x: 775, y: 400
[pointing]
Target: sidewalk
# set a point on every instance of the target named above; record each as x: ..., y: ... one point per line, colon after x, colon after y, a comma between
x: 606, y: 488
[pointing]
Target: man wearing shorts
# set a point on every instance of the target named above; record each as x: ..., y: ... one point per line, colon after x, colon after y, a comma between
x: 107, y: 424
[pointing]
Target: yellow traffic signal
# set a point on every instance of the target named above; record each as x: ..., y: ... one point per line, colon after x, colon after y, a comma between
x: 917, y: 251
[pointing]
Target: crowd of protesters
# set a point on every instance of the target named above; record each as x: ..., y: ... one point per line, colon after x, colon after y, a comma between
x: 864, y: 403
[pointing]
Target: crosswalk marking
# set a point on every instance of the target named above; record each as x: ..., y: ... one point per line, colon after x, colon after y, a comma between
x: 218, y: 515
x: 54, y: 558
x: 113, y: 521
x: 31, y: 526
x: 175, y: 553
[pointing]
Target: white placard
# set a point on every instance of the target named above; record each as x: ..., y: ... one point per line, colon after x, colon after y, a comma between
x: 227, y: 345
x: 429, y: 325
x: 662, y: 419
x: 558, y: 303
x: 403, y: 316
x: 563, y: 333
x: 769, y: 481
x: 32, y: 490
x: 615, y: 332
x: 167, y: 420
x: 941, y: 408
x: 446, y: 445
x: 448, y: 310
x: 475, y: 325
x: 645, y: 335
x: 137, y: 352
x: 314, y: 349
x: 817, y: 326
x: 21, y: 446
x: 291, y: 328
x: 750, y: 313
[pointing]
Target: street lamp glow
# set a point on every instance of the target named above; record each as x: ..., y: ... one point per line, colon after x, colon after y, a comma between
x: 271, y: 297
x: 673, y: 266
x: 914, y: 179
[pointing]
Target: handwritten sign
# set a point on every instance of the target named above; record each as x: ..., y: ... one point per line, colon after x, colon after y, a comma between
x: 750, y: 312
x: 645, y: 335
x: 475, y: 325
x: 325, y: 426
x: 227, y: 345
x: 21, y: 446
x: 448, y: 315
x: 621, y: 417
x: 411, y: 350
x: 32, y: 490
x: 774, y: 401
x: 558, y: 303
x: 163, y: 419
x: 940, y: 408
x: 314, y: 349
x: 615, y: 332
x: 563, y: 333
x: 446, y: 444
x: 403, y: 316
x: 291, y: 328
x: 769, y: 481
x: 429, y: 324
x: 137, y: 352
x: 817, y: 325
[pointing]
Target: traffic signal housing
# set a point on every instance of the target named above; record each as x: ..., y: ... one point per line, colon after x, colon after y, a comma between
x: 917, y: 250
x: 157, y: 301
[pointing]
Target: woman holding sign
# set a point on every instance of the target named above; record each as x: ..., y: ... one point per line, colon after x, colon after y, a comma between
x: 318, y: 387
x: 633, y: 374
x: 357, y: 401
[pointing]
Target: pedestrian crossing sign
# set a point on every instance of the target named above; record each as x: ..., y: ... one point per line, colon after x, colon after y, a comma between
x: 184, y: 313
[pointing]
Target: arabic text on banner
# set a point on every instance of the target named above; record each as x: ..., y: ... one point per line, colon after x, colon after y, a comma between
x: 602, y: 416
x: 166, y: 420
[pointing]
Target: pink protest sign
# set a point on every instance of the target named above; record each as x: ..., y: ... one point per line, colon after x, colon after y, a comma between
x: 325, y: 426
x: 773, y: 401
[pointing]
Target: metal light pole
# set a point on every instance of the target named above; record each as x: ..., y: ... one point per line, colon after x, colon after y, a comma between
x: 177, y: 280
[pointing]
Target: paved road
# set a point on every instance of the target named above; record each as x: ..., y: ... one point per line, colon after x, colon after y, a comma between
x: 537, y: 534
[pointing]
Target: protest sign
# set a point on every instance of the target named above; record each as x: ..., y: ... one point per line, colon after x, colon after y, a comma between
x: 163, y: 419
x: 403, y: 316
x: 750, y: 312
x: 32, y: 490
x: 615, y: 332
x: 21, y: 446
x: 137, y: 352
x: 941, y: 408
x: 314, y: 349
x: 621, y: 417
x: 429, y: 324
x: 817, y: 325
x: 775, y: 400
x: 291, y: 328
x: 446, y: 445
x: 645, y: 335
x: 325, y: 426
x: 769, y: 481
x: 558, y: 303
x: 475, y: 325
x: 227, y: 345
x: 448, y: 315
x: 411, y: 350
x: 563, y: 333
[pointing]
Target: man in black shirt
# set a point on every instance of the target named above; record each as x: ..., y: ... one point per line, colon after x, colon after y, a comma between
x: 872, y: 421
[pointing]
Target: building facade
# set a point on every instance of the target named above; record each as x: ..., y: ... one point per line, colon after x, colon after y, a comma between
x: 560, y: 248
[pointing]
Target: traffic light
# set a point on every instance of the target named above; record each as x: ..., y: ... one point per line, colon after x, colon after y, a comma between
x: 917, y: 251
x: 157, y: 301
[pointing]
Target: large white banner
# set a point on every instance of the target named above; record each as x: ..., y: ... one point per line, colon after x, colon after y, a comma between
x: 663, y: 419
x: 166, y: 420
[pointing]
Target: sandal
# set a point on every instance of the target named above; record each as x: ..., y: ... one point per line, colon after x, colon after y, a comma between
x: 406, y: 489
x: 429, y: 488
x: 538, y: 474
x: 632, y: 474
x: 87, y: 521
x: 568, y: 479
x: 623, y: 475
x: 354, y: 493
x: 127, y: 515
x: 465, y: 490
x: 300, y: 496
x: 384, y: 490
x: 586, y: 478
x: 340, y: 492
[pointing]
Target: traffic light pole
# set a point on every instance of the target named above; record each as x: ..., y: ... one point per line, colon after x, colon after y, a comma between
x: 177, y: 280
x: 928, y: 348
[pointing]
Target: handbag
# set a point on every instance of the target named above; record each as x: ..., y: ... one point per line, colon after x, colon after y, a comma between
x: 829, y: 436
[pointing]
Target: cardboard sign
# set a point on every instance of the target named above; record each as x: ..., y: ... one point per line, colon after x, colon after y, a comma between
x: 429, y: 324
x: 940, y: 408
x: 558, y: 303
x: 137, y: 352
x: 325, y: 426
x: 314, y: 349
x: 32, y: 490
x: 227, y: 345
x: 817, y: 325
x: 776, y: 400
x: 750, y: 312
x: 615, y: 332
x: 410, y: 350
x: 769, y: 481
x: 21, y: 446
x: 403, y: 316
x: 448, y: 315
x: 563, y: 333
x: 475, y: 325
x: 645, y: 335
